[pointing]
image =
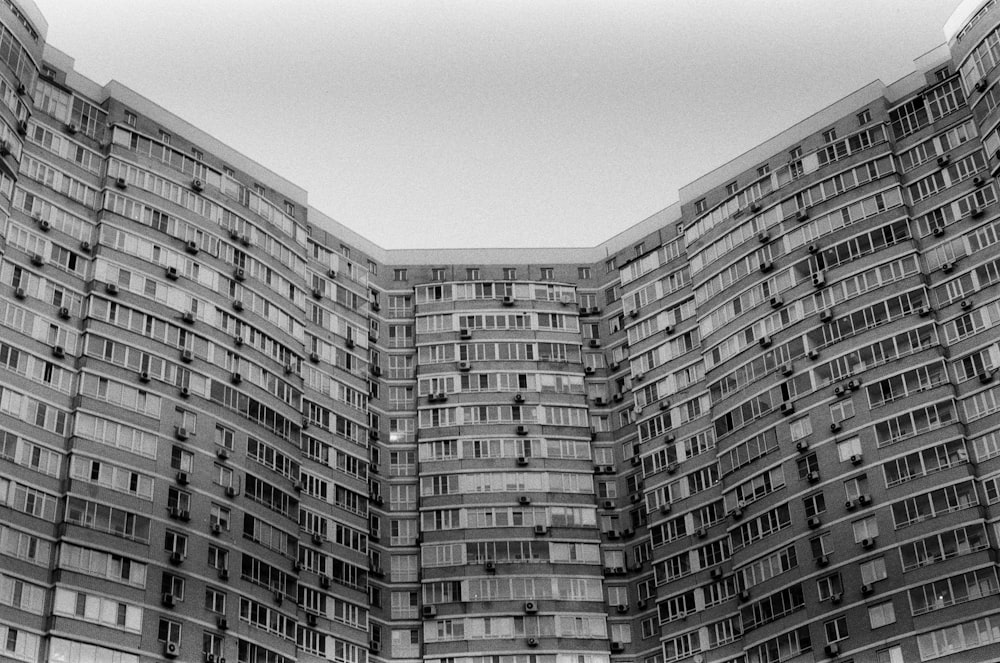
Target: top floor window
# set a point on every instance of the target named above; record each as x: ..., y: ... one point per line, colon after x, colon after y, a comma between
x: 164, y: 137
x: 509, y: 273
x: 700, y: 206
x: 864, y: 117
x: 399, y: 275
x: 438, y: 273
x: 731, y: 189
x: 829, y: 135
x: 547, y: 273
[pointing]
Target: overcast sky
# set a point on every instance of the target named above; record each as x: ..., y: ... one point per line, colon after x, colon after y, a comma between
x: 494, y: 123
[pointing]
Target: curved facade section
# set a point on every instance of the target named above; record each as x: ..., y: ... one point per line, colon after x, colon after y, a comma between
x: 759, y: 427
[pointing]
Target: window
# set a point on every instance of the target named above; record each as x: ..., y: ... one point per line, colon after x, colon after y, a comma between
x: 164, y: 137
x: 821, y: 545
x: 807, y: 464
x: 181, y: 460
x: 609, y: 265
x: 815, y: 505
x: 220, y: 515
x: 800, y: 428
x: 763, y: 170
x: 215, y: 601
x: 509, y: 273
x: 848, y: 448
x: 173, y: 585
x: 873, y: 570
x: 795, y: 152
x: 941, y: 74
x: 218, y: 558
x: 583, y: 273
x: 175, y: 542
x: 169, y: 631
x: 864, y: 117
x: 399, y: 275
x: 893, y: 654
x: 865, y: 529
x: 130, y: 118
x: 829, y: 586
x: 225, y: 437
x: 842, y: 411
x: 700, y: 206
x: 472, y: 274
x: 197, y: 154
x: 373, y: 268
x: 228, y: 172
x: 731, y: 189
x: 345, y: 250
x: 546, y: 273
x: 611, y: 294
x: 439, y: 274
x: 188, y: 420
x: 856, y: 487
x: 223, y: 475
x: 882, y: 614
x: 829, y: 135
x: 836, y: 629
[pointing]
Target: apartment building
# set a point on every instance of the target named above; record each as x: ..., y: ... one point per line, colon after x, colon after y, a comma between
x: 759, y: 426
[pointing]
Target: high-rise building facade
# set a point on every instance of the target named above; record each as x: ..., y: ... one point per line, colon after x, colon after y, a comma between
x: 759, y: 426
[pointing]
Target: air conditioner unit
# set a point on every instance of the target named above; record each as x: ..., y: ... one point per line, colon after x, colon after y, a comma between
x: 764, y: 341
x: 864, y: 499
x: 312, y: 619
x: 777, y: 301
x: 715, y: 573
x: 745, y: 595
x: 839, y: 391
x: 802, y: 445
x: 37, y: 260
x: 224, y: 573
x: 868, y: 543
x: 823, y: 560
x: 71, y: 128
x: 236, y: 378
x: 985, y: 377
x: 737, y: 513
x: 938, y: 231
x: 965, y: 304
x: 222, y: 453
x: 429, y: 611
x: 867, y: 588
x: 787, y: 369
x: 168, y: 599
x: 508, y: 300
x: 978, y: 181
x: 490, y: 565
x: 184, y: 392
x: 531, y: 607
x: 522, y: 460
x: 835, y: 427
x: 541, y: 530
x: 170, y: 649
x: 606, y: 469
x: 532, y: 642
x: 763, y: 237
x: 464, y: 366
x: 925, y: 311
x: 44, y: 225
x: 239, y: 274
x: 814, y: 522
x: 519, y: 398
x: 197, y: 184
x: 665, y: 508
x: 521, y: 430
x: 191, y: 246
x: 237, y: 305
x: 833, y: 650
x: 787, y: 407
x: 802, y: 214
x: 617, y: 647
x: 231, y: 491
x: 64, y: 313
x: 182, y: 478
x: 947, y: 267
x: 701, y: 532
x: 857, y: 459
x: 176, y: 557
x: 813, y: 476
x: 594, y: 343
x: 324, y: 581
x: 22, y: 127
x: 975, y: 212
x: 826, y: 315
x: 641, y: 604
x: 608, y: 504
x: 121, y: 183
x: 754, y: 207
x: 850, y: 505
x: 622, y: 608
x: 314, y: 357
x: 589, y: 370
x: 464, y: 333
x: 181, y: 433
x: 813, y: 354
x: 671, y: 468
x: 524, y: 499
x: 216, y: 528
x: 638, y: 377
